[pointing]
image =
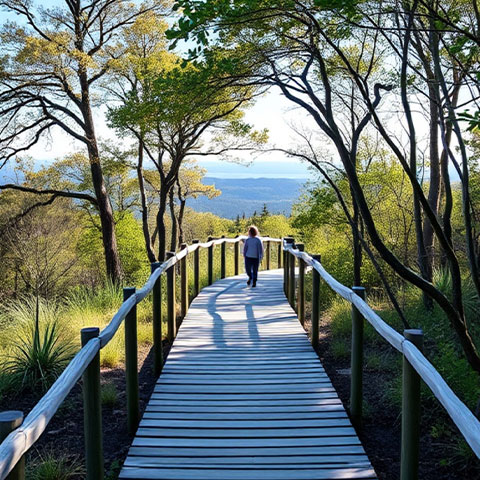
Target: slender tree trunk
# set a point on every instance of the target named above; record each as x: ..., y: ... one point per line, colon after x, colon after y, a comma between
x: 173, y: 238
x: 181, y: 214
x: 143, y: 198
x: 357, y: 245
x: 112, y: 258
x: 162, y: 240
x: 435, y: 180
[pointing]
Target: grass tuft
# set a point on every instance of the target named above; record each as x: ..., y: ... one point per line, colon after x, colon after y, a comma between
x: 51, y: 466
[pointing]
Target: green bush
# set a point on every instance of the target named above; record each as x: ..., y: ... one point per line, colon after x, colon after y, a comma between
x: 39, y: 356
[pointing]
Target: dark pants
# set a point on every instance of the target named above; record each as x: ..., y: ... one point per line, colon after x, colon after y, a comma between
x: 251, y: 267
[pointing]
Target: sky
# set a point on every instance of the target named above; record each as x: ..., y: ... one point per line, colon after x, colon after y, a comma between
x: 272, y: 111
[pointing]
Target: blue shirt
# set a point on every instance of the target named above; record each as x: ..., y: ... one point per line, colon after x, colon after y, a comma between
x: 253, y: 248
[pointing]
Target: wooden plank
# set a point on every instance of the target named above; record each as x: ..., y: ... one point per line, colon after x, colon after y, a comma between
x: 149, y: 414
x: 260, y: 453
x: 248, y: 462
x: 329, y: 405
x: 243, y: 442
x: 315, y: 432
x: 234, y: 425
x: 247, y: 474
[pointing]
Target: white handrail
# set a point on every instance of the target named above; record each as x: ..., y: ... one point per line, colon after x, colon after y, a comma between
x: 461, y: 415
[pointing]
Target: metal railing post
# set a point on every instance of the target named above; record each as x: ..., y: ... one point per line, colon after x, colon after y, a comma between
x: 183, y: 283
x: 196, y: 270
x: 291, y: 281
x: 210, y: 262
x: 171, y: 304
x: 268, y: 255
x: 223, y: 259
x: 131, y: 364
x: 356, y: 362
x: 279, y: 255
x: 92, y: 411
x: 315, y: 326
x: 236, y: 256
x: 286, y: 265
x: 410, y: 412
x: 9, y: 421
x: 301, y: 286
x: 157, y: 322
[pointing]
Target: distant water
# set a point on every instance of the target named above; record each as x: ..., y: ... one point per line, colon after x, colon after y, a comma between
x: 238, y: 176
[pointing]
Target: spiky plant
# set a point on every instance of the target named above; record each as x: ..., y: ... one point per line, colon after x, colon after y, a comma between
x: 40, y: 354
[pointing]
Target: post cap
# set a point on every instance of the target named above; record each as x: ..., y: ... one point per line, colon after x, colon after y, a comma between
x: 88, y: 333
x: 128, y: 292
x: 12, y: 416
x: 154, y: 266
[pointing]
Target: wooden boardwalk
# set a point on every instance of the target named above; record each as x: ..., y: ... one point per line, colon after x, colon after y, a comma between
x: 243, y: 396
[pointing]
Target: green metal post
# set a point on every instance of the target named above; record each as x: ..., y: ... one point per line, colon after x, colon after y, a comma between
x: 171, y: 306
x: 291, y: 280
x: 410, y: 412
x: 9, y: 421
x: 315, y: 305
x: 157, y: 323
x: 131, y: 364
x: 286, y: 267
x: 92, y: 411
x: 196, y: 271
x: 356, y: 363
x: 301, y: 286
x: 268, y: 255
x: 236, y: 256
x: 223, y: 259
x: 210, y: 262
x: 183, y: 283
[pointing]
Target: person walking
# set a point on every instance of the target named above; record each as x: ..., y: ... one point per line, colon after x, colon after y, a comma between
x: 253, y: 254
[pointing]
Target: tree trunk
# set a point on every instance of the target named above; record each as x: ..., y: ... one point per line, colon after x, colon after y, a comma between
x: 173, y: 237
x: 162, y: 240
x: 143, y: 199
x: 181, y: 213
x: 435, y: 179
x: 112, y: 258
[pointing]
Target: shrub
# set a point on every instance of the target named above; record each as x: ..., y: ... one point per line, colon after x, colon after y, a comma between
x: 109, y: 395
x: 40, y: 355
x: 52, y: 466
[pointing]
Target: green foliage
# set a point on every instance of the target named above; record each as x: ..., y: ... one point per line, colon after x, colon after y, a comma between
x: 340, y: 349
x: 55, y: 466
x: 443, y: 281
x: 39, y: 357
x: 108, y: 297
x: 114, y: 470
x: 109, y: 395
x: 131, y: 248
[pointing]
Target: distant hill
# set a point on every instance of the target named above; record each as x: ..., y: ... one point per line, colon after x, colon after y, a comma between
x: 247, y: 195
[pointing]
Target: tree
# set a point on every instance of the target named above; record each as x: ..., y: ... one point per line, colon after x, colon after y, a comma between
x: 299, y: 47
x: 169, y: 108
x: 54, y: 59
x: 190, y: 185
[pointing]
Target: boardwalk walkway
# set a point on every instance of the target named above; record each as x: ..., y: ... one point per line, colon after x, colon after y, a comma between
x: 243, y: 396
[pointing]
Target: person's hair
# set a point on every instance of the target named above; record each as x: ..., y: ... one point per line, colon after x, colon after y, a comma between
x: 253, y: 230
